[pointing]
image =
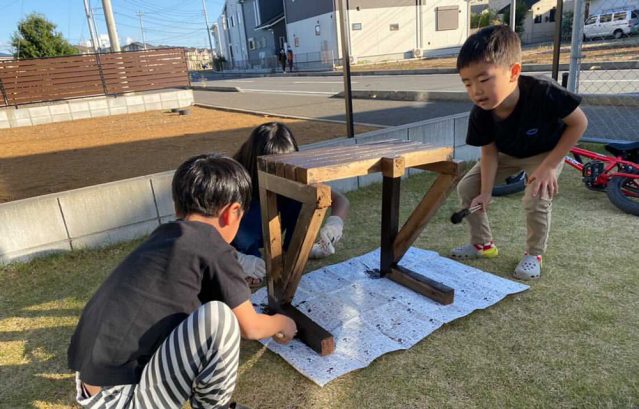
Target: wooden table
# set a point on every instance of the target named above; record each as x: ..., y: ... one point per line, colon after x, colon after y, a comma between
x: 299, y: 176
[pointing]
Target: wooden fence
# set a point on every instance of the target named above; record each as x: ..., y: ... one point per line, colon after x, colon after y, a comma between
x: 58, y: 78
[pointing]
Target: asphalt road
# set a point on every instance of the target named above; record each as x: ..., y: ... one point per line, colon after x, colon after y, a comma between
x: 590, y: 82
x: 605, y: 122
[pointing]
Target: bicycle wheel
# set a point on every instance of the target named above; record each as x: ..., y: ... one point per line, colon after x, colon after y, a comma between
x: 623, y: 192
x: 514, y: 184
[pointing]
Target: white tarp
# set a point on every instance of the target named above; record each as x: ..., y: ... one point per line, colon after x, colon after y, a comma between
x: 369, y: 316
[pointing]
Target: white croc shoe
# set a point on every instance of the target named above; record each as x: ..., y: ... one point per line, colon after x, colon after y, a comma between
x: 528, y: 268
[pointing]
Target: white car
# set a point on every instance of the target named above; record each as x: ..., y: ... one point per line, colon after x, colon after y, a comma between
x: 616, y: 23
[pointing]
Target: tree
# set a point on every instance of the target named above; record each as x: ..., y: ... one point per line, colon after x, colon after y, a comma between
x: 36, y: 37
x: 520, y: 14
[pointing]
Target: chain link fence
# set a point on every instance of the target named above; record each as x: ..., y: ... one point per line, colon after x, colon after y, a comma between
x: 605, y: 58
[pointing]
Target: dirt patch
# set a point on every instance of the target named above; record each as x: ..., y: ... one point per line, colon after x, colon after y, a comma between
x: 51, y: 158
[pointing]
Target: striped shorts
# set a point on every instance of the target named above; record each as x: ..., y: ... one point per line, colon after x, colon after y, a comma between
x: 198, y: 362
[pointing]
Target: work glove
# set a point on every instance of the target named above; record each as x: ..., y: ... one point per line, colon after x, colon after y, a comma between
x: 253, y: 266
x: 330, y: 234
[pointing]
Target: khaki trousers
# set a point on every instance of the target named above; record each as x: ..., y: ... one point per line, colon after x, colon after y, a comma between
x: 538, y: 209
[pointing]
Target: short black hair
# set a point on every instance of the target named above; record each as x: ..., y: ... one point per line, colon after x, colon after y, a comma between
x: 271, y: 138
x: 498, y: 45
x: 205, y: 184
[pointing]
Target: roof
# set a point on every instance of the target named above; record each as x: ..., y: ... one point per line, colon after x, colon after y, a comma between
x: 270, y: 23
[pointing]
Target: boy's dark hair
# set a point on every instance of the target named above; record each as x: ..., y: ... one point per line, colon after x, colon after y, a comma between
x: 498, y: 45
x: 270, y: 138
x: 204, y: 184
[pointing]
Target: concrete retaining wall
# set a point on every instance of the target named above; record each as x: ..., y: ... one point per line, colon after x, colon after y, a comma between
x: 38, y: 114
x: 122, y: 210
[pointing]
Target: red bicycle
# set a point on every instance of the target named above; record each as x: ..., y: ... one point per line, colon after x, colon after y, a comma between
x: 617, y: 175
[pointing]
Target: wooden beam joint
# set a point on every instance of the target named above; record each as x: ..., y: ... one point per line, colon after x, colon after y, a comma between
x: 423, y: 285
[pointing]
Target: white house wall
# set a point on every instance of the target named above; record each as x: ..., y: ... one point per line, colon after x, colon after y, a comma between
x: 440, y: 40
x: 376, y: 38
x: 304, y: 40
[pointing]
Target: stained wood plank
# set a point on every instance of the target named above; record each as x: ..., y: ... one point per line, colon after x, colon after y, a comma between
x: 272, y: 237
x: 422, y: 214
x: 425, y: 286
x: 390, y: 221
x: 308, y: 331
x: 306, y: 229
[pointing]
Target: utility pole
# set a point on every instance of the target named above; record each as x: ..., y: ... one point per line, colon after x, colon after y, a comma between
x: 559, y: 16
x: 346, y: 64
x: 140, y: 14
x: 94, y: 40
x: 110, y: 22
x: 208, y: 31
x: 513, y: 9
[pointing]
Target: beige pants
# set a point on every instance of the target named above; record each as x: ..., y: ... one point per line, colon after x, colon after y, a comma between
x: 538, y: 209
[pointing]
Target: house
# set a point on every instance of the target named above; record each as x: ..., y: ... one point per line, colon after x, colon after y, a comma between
x: 230, y: 34
x: 136, y: 46
x: 539, y: 23
x: 265, y: 29
x: 378, y: 29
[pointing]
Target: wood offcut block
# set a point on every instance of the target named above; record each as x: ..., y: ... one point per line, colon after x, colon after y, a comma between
x: 310, y: 333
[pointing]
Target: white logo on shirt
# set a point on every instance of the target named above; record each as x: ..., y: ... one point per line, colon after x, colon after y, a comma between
x: 532, y: 132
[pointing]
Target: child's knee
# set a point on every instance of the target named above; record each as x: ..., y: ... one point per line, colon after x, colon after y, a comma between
x: 536, y: 204
x: 468, y: 188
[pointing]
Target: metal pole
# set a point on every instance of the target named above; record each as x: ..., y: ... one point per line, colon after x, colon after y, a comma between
x: 346, y: 63
x: 208, y: 32
x: 559, y: 17
x: 140, y: 14
x: 110, y: 22
x: 94, y: 40
x: 575, y: 46
x: 513, y: 8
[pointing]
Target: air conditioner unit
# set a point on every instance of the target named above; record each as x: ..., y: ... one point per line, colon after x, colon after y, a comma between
x: 418, y: 53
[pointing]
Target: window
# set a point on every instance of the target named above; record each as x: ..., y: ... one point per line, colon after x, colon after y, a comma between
x: 225, y: 23
x: 635, y: 14
x: 394, y: 27
x: 232, y: 22
x: 605, y: 18
x: 591, y: 20
x: 551, y: 14
x: 251, y: 44
x: 447, y: 18
x: 357, y: 26
x: 538, y: 19
x: 282, y: 41
x: 619, y: 16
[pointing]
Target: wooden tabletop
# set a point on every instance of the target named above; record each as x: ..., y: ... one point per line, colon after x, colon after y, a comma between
x: 340, y: 162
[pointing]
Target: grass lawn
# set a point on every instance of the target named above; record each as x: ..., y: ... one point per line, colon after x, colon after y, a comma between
x: 571, y: 341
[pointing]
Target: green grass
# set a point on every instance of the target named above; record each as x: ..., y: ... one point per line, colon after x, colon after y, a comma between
x: 571, y: 341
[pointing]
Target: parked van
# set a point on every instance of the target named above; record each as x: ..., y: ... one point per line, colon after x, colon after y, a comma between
x: 616, y: 23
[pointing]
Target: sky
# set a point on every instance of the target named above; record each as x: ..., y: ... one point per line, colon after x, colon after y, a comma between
x: 166, y: 22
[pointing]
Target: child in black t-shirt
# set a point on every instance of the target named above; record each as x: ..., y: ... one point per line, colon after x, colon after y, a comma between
x: 165, y: 326
x: 519, y: 122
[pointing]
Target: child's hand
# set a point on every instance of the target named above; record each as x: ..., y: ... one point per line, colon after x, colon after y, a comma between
x: 483, y: 199
x: 286, y: 334
x: 544, y: 182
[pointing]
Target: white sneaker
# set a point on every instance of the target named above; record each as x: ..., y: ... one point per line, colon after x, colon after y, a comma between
x: 488, y: 250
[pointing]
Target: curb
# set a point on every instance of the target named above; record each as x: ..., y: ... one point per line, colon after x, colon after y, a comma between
x: 215, y: 88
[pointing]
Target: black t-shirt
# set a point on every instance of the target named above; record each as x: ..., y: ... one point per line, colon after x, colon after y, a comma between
x: 179, y: 267
x: 534, y: 126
